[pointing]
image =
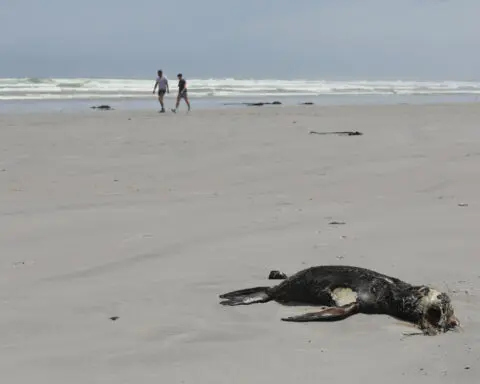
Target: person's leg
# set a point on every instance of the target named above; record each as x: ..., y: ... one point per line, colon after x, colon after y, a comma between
x: 160, y: 99
x: 176, y: 104
x: 186, y: 101
x: 178, y: 101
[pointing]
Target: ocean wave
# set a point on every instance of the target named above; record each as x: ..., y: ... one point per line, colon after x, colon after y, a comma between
x: 84, y: 88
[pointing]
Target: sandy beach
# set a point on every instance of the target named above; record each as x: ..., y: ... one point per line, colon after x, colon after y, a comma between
x: 149, y: 217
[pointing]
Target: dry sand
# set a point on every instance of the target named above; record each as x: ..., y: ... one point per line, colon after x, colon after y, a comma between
x: 150, y: 217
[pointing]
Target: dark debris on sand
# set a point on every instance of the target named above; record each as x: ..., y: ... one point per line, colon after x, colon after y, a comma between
x: 340, y: 133
x: 103, y: 107
x: 259, y: 104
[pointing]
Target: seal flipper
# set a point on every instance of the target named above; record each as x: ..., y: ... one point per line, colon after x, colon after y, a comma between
x: 277, y: 275
x: 246, y: 296
x: 329, y: 314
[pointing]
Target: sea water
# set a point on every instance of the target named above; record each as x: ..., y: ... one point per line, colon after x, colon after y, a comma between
x: 36, y: 94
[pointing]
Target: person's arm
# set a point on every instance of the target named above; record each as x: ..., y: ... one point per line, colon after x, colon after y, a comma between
x: 155, y: 86
x: 168, y: 88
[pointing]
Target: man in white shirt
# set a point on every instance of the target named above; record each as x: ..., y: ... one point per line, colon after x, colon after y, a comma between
x: 163, y: 88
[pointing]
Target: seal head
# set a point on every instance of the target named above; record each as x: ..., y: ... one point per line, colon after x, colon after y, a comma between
x: 433, y: 309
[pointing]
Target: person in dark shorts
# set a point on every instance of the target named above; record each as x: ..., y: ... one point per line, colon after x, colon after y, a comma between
x: 162, y: 83
x: 182, y: 92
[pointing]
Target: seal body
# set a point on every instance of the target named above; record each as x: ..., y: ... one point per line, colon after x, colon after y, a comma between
x: 348, y: 290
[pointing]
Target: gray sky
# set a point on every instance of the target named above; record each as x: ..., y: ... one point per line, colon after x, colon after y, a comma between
x: 422, y: 39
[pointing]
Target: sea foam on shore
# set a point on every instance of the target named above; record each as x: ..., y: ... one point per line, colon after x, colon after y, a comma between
x: 92, y: 88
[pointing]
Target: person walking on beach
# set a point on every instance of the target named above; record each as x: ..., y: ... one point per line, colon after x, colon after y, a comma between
x: 162, y: 83
x: 182, y: 93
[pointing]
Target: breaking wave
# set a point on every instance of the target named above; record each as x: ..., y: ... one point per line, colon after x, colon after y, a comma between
x: 88, y: 88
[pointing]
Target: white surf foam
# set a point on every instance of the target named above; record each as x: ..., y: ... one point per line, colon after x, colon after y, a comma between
x: 85, y: 88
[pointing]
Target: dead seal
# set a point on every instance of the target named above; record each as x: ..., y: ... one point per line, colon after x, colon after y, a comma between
x: 349, y: 290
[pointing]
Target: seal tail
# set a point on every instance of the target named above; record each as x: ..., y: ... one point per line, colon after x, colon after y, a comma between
x: 246, y: 296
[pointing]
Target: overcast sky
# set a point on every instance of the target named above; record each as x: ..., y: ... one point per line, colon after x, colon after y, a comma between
x: 422, y: 39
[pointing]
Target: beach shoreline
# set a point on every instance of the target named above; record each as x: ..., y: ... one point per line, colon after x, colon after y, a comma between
x: 146, y: 218
x: 150, y: 103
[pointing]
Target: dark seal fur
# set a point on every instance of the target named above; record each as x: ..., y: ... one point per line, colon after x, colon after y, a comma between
x: 276, y: 275
x: 348, y: 290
